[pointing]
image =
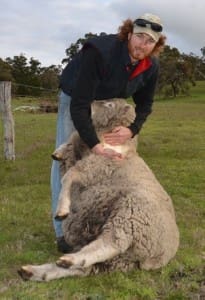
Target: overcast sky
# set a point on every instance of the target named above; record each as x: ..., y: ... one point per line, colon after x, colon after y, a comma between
x: 43, y: 29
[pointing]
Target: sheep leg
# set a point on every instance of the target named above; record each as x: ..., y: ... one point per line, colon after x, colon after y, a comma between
x: 47, y: 272
x: 58, y: 154
x: 97, y: 251
x: 63, y: 207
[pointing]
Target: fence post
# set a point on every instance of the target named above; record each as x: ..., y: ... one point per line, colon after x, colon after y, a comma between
x: 8, y: 121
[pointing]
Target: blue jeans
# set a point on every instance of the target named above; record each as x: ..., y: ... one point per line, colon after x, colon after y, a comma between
x: 64, y: 129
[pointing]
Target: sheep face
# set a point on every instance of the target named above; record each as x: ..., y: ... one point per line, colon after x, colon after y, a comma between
x: 109, y: 114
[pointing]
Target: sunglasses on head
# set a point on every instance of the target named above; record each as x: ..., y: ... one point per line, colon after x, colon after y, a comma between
x: 145, y: 23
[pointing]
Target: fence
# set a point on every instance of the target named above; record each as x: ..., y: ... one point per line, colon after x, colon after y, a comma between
x: 8, y: 121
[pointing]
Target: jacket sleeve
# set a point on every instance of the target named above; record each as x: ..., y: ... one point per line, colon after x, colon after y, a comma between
x: 82, y: 96
x: 143, y: 100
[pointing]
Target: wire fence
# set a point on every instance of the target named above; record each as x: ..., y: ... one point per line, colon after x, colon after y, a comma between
x: 23, y: 116
x: 36, y: 87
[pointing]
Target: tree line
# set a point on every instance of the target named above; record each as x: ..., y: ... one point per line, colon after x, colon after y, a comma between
x: 28, y: 77
x: 178, y: 71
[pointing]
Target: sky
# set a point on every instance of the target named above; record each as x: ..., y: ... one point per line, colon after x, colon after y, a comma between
x: 43, y: 29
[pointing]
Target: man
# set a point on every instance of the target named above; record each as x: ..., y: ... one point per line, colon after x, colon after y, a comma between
x: 109, y: 66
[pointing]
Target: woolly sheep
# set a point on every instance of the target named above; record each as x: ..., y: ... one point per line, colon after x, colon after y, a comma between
x: 119, y: 217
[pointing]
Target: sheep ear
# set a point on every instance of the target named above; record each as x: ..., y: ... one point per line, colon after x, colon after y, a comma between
x: 126, y: 108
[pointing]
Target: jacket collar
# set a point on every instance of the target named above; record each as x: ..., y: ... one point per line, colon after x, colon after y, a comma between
x: 141, y: 67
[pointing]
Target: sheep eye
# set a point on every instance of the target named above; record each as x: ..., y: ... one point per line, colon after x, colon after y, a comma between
x: 109, y: 105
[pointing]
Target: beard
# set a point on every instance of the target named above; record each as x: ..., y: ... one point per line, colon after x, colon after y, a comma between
x: 137, y: 53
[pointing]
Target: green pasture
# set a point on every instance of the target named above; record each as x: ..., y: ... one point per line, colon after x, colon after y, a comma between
x: 172, y: 142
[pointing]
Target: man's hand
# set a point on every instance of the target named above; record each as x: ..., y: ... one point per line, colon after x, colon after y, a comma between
x: 118, y: 136
x: 100, y: 150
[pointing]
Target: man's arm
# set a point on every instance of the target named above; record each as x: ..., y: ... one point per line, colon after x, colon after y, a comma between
x: 89, y: 77
x: 143, y: 100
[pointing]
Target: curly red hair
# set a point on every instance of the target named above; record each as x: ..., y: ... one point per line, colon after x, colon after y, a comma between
x: 127, y: 27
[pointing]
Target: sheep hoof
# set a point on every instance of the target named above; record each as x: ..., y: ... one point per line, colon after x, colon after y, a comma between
x: 55, y: 156
x: 61, y: 216
x: 64, y: 262
x: 25, y: 273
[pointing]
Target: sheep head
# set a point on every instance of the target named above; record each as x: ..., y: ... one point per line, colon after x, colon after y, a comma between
x: 107, y: 114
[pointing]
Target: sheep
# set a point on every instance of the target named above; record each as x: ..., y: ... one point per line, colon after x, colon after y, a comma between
x: 75, y: 149
x: 117, y: 214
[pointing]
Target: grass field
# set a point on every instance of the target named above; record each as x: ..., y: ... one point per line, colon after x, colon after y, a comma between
x: 172, y: 143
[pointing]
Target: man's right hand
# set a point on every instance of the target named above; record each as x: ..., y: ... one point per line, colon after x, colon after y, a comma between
x: 100, y: 150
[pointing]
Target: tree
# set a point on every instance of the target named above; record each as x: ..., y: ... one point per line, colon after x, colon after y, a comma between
x: 50, y: 77
x: 203, y: 53
x: 5, y: 71
x: 201, y: 64
x: 20, y: 73
x: 176, y: 72
x: 193, y: 66
x: 26, y: 75
x: 34, y: 70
